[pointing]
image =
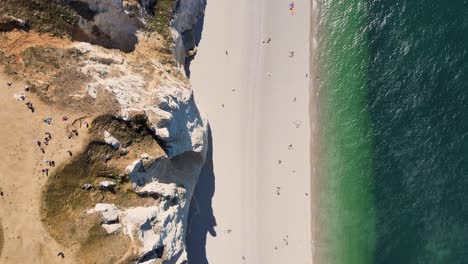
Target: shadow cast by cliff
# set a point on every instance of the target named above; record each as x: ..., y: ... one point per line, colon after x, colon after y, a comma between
x: 201, y: 219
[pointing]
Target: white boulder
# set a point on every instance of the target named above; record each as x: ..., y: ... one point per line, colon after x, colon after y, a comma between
x: 109, y: 212
x: 107, y: 185
x: 111, y: 228
x: 110, y: 140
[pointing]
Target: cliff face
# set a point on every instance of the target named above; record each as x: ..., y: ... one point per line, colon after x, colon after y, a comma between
x: 173, y: 116
x: 187, y: 14
x: 161, y: 167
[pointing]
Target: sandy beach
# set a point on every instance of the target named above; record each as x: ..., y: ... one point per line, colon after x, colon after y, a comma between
x: 251, y: 79
x: 21, y: 181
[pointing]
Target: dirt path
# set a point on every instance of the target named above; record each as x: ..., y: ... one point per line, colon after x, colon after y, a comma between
x: 21, y: 179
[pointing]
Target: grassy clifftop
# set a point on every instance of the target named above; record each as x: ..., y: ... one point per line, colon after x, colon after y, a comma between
x: 58, y: 18
x: 51, y: 16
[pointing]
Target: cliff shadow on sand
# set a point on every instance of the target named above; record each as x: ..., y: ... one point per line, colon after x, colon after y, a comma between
x: 201, y: 218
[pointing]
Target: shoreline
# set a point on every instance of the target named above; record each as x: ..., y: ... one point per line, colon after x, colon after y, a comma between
x: 345, y: 199
x: 314, y: 121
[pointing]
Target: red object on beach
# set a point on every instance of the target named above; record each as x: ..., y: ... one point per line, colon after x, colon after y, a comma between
x: 64, y: 118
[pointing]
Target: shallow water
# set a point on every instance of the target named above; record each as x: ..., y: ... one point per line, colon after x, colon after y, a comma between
x: 394, y: 118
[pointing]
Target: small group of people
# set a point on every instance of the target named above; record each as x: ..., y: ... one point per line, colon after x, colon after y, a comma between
x: 45, y: 171
x: 73, y: 132
x: 39, y: 145
x: 46, y: 141
x: 267, y: 41
x: 48, y: 120
x: 22, y: 97
x: 51, y: 163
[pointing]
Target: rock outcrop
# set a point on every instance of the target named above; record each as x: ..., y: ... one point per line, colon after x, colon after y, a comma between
x: 109, y: 139
x: 105, y: 23
x: 8, y: 23
x: 169, y: 107
x: 171, y: 113
x: 187, y: 13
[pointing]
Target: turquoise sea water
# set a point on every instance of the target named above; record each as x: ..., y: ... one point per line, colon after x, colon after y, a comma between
x: 394, y: 131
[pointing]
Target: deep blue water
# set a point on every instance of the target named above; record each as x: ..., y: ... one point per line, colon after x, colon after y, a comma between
x: 394, y: 116
x: 418, y: 103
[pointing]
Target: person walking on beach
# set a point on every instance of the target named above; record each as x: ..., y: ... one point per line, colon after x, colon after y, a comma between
x: 30, y: 106
x: 267, y: 41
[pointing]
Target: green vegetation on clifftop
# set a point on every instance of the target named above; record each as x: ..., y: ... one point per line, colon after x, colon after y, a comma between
x: 51, y: 16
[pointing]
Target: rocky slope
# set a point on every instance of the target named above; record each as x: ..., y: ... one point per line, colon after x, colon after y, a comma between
x: 140, y: 185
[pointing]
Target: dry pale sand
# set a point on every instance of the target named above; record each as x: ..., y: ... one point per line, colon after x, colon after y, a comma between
x: 257, y: 101
x: 21, y: 180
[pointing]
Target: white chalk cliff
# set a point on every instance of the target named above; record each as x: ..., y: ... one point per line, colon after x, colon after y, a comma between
x: 167, y: 102
x: 187, y: 14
